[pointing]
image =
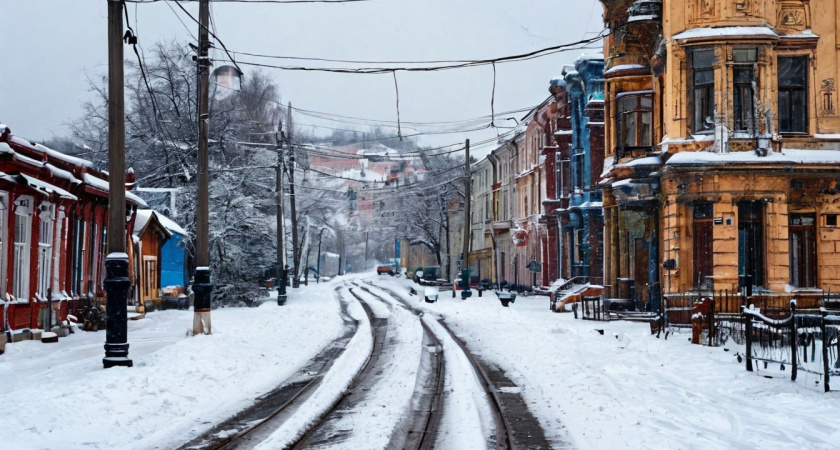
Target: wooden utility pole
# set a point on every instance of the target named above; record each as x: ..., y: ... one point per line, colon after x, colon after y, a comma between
x: 116, y: 264
x: 201, y: 283
x: 465, y: 264
x: 282, y: 273
x: 292, y: 204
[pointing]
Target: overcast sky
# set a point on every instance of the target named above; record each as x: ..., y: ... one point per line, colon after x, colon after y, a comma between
x: 51, y: 47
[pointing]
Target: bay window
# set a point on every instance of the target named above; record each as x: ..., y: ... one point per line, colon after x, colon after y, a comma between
x: 635, y: 119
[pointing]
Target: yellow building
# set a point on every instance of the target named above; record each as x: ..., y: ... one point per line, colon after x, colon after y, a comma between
x: 723, y: 147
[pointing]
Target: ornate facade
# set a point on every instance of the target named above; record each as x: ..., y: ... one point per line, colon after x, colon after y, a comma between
x: 722, y: 148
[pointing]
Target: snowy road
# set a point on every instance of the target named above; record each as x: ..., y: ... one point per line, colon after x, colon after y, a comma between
x: 628, y: 389
x: 622, y: 389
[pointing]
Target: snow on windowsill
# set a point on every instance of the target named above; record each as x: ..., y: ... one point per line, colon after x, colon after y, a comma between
x: 624, y: 68
x: 698, y: 33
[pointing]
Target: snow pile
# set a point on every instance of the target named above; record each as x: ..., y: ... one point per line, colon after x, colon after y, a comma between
x: 59, y: 396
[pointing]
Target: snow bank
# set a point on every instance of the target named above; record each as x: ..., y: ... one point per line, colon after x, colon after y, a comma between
x: 59, y: 396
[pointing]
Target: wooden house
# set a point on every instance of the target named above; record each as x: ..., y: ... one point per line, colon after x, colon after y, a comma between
x: 53, y: 218
x: 149, y: 237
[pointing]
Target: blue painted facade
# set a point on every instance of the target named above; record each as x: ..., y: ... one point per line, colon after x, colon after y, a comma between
x: 173, y: 265
x: 582, y: 222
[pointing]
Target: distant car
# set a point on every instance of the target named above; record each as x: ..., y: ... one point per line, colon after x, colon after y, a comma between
x: 430, y: 294
x: 384, y: 269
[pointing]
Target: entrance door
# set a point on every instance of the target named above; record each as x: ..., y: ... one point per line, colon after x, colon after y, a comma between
x: 751, y: 241
x: 803, y: 250
x: 702, y: 229
x: 641, y: 270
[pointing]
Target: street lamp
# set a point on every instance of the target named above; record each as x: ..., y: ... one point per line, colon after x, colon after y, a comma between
x: 116, y: 263
x: 229, y: 77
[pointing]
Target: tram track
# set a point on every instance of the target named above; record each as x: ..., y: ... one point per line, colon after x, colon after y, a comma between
x: 417, y: 427
x: 516, y: 426
x: 248, y: 427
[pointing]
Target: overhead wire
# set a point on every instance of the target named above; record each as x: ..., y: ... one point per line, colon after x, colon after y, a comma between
x: 232, y: 59
x: 578, y: 45
x: 254, y: 1
x: 374, y: 122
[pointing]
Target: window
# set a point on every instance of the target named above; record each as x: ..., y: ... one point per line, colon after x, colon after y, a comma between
x: 703, y: 79
x: 23, y: 234
x: 77, y: 280
x: 751, y: 241
x: 45, y: 243
x: 793, y: 106
x: 743, y: 94
x: 577, y: 168
x: 831, y: 220
x: 635, y: 116
x: 149, y: 284
x: 803, y: 250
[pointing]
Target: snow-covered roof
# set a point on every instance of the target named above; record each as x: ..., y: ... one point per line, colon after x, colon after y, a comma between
x: 596, y: 56
x: 699, y: 33
x: 52, y: 154
x: 144, y: 216
x: 61, y: 173
x: 170, y: 224
x: 785, y: 157
x: 103, y: 186
x: 48, y: 188
x: 4, y: 148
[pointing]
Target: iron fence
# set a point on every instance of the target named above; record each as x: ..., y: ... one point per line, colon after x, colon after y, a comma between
x: 804, y: 342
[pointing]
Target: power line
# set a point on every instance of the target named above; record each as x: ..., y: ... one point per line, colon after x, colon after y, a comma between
x: 232, y: 60
x: 434, y: 68
x: 252, y: 1
x: 452, y: 64
x: 373, y: 122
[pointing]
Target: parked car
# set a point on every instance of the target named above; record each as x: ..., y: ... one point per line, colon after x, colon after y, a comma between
x: 384, y: 268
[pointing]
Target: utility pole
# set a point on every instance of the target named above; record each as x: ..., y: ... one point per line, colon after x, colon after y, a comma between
x: 465, y: 265
x: 282, y: 273
x: 295, y: 244
x: 318, y: 269
x: 201, y: 282
x: 116, y: 263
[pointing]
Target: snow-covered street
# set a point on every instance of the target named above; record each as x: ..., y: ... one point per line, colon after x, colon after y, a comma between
x: 622, y: 389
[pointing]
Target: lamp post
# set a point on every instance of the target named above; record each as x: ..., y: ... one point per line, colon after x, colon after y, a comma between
x: 465, y: 267
x: 116, y: 263
x: 201, y: 282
